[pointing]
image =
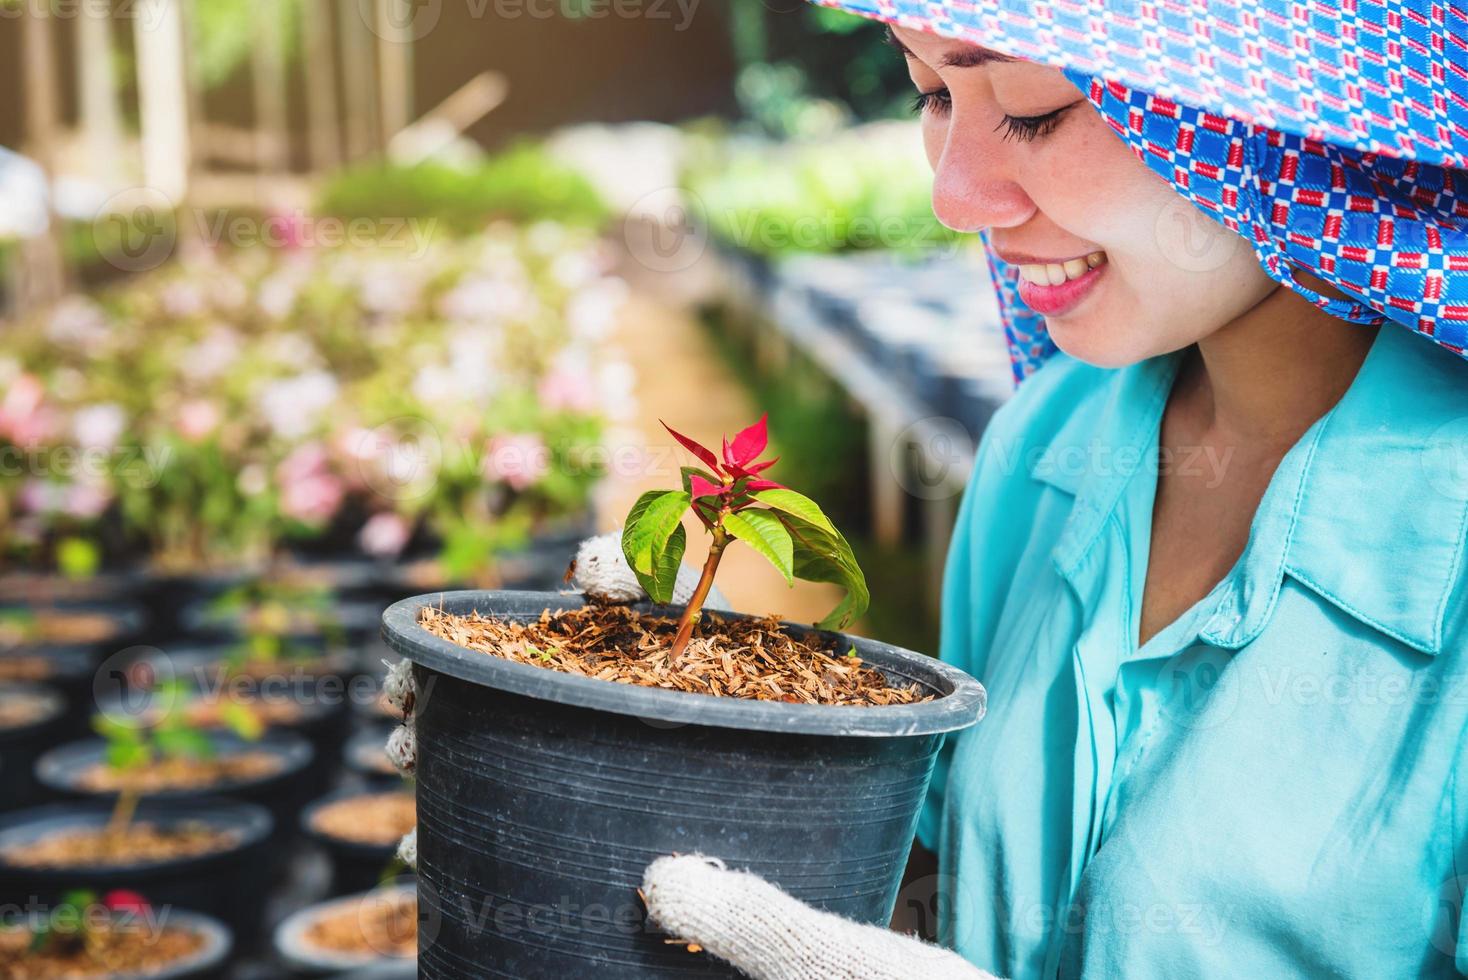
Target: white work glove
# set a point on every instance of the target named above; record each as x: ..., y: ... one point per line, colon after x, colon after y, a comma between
x: 600, y: 571
x: 767, y: 935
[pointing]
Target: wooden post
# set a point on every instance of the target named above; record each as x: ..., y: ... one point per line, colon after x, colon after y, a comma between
x: 319, y: 64
x: 886, y: 485
x: 101, y: 119
x: 394, y: 66
x: 268, y: 75
x: 41, y: 277
x: 163, y: 95
x: 359, y: 80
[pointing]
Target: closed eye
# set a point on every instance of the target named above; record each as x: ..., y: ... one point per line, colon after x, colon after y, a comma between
x: 938, y: 100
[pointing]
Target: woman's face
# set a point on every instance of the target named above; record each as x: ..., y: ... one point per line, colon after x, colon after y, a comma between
x: 1120, y: 265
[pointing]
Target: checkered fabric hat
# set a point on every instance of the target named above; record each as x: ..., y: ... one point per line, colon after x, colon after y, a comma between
x: 1334, y: 136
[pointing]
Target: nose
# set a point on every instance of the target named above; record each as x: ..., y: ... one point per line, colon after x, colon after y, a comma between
x: 974, y: 185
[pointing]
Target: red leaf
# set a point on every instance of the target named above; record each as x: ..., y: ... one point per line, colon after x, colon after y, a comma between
x: 740, y: 472
x: 700, y: 487
x: 748, y: 444
x: 125, y: 901
x: 696, y: 449
x: 755, y: 486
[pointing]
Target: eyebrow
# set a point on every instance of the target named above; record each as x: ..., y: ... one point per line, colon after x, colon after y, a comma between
x: 965, y: 57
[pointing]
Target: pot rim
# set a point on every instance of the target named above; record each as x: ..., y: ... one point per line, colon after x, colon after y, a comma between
x: 290, y: 943
x: 56, y: 769
x: 251, y: 821
x: 961, y: 702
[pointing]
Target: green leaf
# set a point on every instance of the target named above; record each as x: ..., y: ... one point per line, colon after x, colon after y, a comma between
x: 650, y: 526
x: 241, y: 720
x: 184, y: 742
x: 762, y: 531
x: 659, y: 585
x: 800, y: 506
x: 823, y: 555
x: 127, y: 755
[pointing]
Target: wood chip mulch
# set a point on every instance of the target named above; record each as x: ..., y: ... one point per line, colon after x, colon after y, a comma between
x: 108, y: 952
x: 739, y: 658
x: 376, y: 818
x: 372, y: 926
x: 140, y: 842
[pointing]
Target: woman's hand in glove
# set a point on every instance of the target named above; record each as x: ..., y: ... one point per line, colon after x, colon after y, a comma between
x: 767, y: 935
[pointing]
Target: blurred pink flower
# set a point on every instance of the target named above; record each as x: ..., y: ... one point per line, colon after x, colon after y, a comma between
x: 384, y: 535
x: 309, y: 491
x: 98, y: 426
x: 197, y: 419
x: 568, y: 387
x: 288, y: 230
x: 86, y: 501
x: 520, y: 460
x: 24, y: 418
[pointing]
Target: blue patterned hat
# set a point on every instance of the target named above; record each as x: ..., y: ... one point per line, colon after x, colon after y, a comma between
x: 1333, y: 136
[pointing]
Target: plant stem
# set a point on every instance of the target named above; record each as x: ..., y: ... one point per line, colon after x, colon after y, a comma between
x: 122, y: 813
x: 692, y: 612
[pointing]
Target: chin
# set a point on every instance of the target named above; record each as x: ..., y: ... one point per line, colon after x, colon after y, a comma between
x: 1098, y: 343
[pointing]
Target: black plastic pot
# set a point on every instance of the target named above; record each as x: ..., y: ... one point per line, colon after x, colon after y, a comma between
x: 305, y: 960
x: 283, y: 793
x: 125, y: 623
x: 226, y: 884
x: 68, y: 669
x: 355, y: 867
x: 324, y: 697
x: 543, y: 796
x: 21, y: 745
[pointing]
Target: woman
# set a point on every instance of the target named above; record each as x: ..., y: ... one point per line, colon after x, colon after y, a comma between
x: 1211, y: 562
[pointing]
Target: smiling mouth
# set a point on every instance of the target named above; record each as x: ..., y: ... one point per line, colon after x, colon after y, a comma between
x: 1056, y: 273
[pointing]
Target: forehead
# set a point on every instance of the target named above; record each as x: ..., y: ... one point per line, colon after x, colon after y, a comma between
x: 951, y: 53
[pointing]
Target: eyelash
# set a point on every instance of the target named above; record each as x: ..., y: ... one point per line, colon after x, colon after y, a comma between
x: 1023, y: 128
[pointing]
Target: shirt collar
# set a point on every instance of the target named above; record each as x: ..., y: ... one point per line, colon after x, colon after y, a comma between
x: 1369, y: 509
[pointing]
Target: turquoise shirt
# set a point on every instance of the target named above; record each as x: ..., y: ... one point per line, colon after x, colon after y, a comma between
x: 1268, y: 787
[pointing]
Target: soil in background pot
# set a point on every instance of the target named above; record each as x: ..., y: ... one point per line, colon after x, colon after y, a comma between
x: 209, y: 856
x: 360, y: 831
x: 109, y: 950
x: 32, y: 717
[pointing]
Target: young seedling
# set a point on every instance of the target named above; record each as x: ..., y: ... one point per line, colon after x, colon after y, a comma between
x: 734, y: 502
x: 136, y: 745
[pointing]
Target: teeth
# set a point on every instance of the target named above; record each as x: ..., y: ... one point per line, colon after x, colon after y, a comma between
x: 1055, y: 273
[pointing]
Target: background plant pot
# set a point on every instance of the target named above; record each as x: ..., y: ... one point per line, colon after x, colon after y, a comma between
x: 306, y: 960
x: 283, y: 793
x: 226, y: 884
x: 543, y: 796
x: 209, y: 962
x: 69, y: 670
x: 22, y: 744
x: 116, y: 624
x: 355, y: 866
x: 323, y: 698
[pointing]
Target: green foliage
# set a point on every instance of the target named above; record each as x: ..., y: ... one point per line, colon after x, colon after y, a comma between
x: 521, y: 184
x: 166, y: 732
x: 787, y: 528
x: 864, y: 189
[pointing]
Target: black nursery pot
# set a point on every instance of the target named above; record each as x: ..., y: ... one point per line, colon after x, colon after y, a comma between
x: 227, y: 884
x: 21, y: 743
x: 543, y: 796
x: 283, y: 792
x: 355, y: 866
